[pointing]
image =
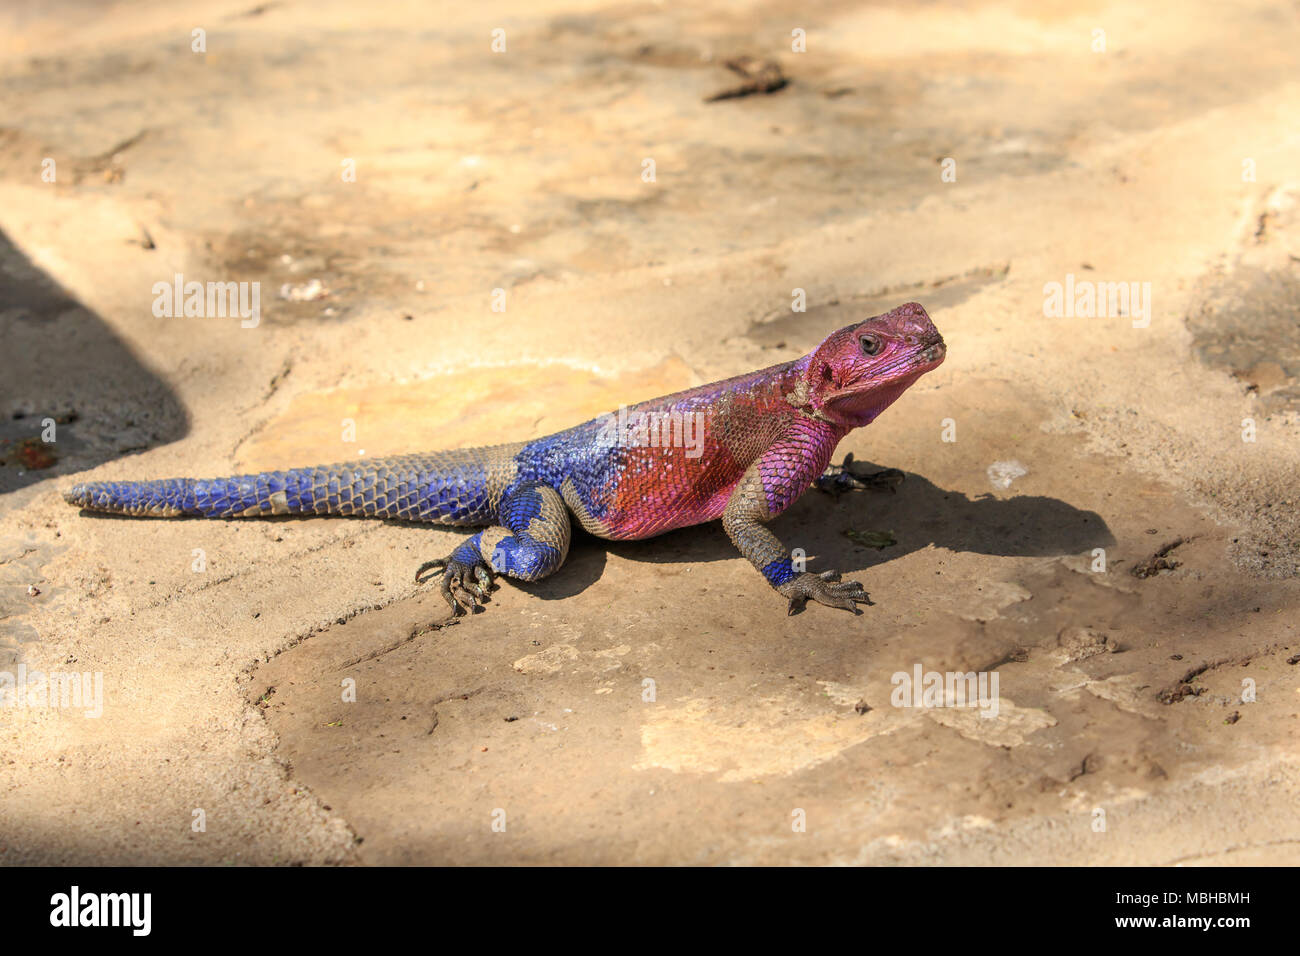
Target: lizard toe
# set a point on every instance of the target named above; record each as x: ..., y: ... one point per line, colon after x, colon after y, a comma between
x: 825, y: 588
x: 463, y: 585
x: 429, y: 565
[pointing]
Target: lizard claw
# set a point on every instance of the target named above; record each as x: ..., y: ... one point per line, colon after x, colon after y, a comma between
x: 852, y: 476
x: 825, y: 588
x: 463, y: 584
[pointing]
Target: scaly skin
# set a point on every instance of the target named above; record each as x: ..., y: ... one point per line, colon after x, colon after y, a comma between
x: 766, y: 437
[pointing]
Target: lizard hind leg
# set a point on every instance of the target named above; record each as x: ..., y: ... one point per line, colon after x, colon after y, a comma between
x: 531, y: 541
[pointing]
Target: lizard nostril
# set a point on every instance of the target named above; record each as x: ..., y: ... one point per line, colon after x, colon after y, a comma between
x: 912, y: 340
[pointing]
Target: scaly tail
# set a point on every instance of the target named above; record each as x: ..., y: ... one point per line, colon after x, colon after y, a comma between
x: 452, y: 487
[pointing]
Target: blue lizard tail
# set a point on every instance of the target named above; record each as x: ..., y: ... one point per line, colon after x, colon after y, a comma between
x: 168, y: 498
x: 453, y: 487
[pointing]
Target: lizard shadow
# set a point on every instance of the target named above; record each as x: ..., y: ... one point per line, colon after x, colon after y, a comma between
x: 917, y: 515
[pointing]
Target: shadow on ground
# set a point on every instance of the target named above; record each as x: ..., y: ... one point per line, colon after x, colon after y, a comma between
x: 63, y: 363
x: 918, y: 515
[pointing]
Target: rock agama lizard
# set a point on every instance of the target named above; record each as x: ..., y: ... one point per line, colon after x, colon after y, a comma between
x: 767, y: 436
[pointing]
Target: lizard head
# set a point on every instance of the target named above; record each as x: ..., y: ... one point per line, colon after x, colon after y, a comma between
x: 858, y: 372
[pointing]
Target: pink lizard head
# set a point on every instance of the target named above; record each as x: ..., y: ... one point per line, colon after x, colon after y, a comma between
x: 858, y: 372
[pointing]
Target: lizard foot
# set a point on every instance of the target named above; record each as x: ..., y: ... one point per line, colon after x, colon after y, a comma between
x: 825, y: 588
x: 853, y: 476
x: 464, y: 583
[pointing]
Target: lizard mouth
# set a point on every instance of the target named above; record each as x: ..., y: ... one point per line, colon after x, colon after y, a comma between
x: 933, y: 354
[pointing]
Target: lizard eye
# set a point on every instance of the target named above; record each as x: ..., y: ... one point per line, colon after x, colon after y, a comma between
x: 871, y: 345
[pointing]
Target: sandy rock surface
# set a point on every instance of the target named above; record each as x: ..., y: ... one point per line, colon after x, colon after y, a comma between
x: 381, y: 172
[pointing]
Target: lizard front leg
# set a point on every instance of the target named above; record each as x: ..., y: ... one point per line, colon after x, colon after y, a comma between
x: 767, y: 488
x: 531, y: 541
